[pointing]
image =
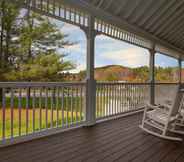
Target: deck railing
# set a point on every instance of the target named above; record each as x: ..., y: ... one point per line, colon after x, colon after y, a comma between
x: 27, y: 108
x: 164, y: 93
x: 30, y: 108
x: 117, y: 98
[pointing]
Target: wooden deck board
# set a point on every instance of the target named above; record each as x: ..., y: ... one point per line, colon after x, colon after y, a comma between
x: 116, y: 140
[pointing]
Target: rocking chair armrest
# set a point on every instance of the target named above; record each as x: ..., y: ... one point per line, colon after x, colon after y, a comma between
x: 150, y: 106
x: 166, y: 106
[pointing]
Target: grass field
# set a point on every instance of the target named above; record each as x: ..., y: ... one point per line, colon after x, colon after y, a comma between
x: 66, y: 102
x: 65, y: 105
x: 39, y: 121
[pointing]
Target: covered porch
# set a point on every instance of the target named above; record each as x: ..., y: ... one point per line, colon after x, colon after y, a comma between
x: 90, y: 120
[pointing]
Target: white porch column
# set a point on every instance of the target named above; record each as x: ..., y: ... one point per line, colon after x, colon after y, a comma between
x: 90, y: 113
x: 180, y: 70
x: 152, y: 76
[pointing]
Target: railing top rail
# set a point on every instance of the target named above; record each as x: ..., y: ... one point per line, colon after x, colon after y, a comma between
x: 126, y: 83
x: 116, y: 83
x: 39, y: 84
x: 167, y: 83
x: 61, y: 84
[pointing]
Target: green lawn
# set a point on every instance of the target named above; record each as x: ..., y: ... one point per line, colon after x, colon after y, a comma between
x: 38, y: 125
x: 58, y: 112
x: 66, y: 102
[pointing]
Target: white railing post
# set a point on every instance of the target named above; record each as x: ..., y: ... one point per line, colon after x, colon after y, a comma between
x: 152, y: 76
x: 180, y: 70
x: 90, y: 113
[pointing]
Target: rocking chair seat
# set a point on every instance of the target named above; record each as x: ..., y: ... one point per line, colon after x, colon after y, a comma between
x: 159, y: 116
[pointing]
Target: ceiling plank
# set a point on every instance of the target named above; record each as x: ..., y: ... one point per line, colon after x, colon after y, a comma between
x: 121, y: 7
x: 173, y: 39
x: 100, y: 3
x: 170, y: 23
x: 140, y: 13
x: 168, y: 15
x: 180, y: 43
x: 94, y: 2
x: 160, y: 13
x: 155, y: 8
x: 108, y: 4
x: 177, y: 38
x: 175, y: 31
x: 132, y: 10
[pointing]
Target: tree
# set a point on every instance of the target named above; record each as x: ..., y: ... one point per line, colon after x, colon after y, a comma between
x: 29, y: 45
x: 42, y: 68
x: 167, y: 74
x: 8, y: 25
x: 40, y: 40
x: 141, y: 74
x: 8, y: 14
x: 27, y: 37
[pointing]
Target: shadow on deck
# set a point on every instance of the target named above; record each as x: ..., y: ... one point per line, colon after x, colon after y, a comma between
x: 115, y: 140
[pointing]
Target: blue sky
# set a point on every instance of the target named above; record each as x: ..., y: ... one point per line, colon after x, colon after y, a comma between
x: 108, y: 51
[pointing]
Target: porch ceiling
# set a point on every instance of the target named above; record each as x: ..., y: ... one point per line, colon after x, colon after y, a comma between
x: 160, y: 21
x: 161, y: 18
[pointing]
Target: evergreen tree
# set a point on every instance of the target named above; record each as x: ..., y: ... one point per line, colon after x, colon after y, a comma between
x: 26, y: 39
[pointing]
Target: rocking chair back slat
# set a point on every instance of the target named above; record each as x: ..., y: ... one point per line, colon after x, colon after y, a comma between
x: 177, y: 102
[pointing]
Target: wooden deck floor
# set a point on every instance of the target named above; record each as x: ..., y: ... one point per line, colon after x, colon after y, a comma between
x: 117, y: 140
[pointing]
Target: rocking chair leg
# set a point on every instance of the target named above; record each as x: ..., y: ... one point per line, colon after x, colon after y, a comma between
x: 160, y: 135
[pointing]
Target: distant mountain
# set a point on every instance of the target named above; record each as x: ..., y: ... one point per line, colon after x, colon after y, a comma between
x: 113, y: 73
x: 105, y: 73
x: 122, y: 73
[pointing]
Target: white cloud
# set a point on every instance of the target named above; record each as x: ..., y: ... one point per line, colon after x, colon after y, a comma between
x: 131, y: 57
x: 104, y: 38
x: 163, y: 64
x: 111, y: 42
x: 76, y: 48
x: 68, y: 28
x: 79, y: 68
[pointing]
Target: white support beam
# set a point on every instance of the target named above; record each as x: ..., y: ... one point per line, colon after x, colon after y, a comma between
x: 152, y: 76
x: 90, y: 113
x: 180, y: 70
